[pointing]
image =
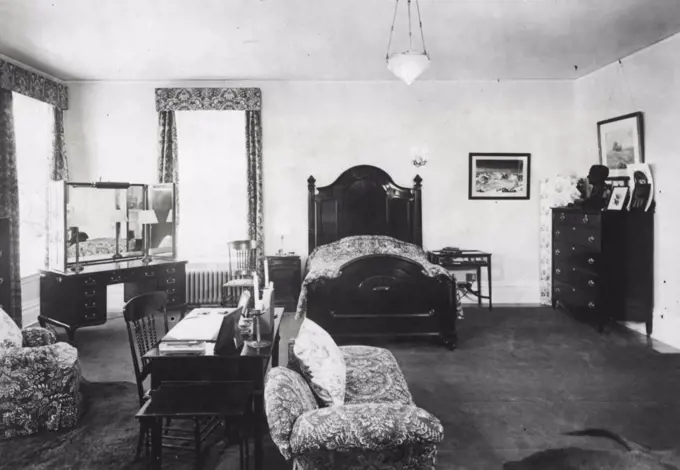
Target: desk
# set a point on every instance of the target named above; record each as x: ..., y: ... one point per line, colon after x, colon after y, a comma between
x: 250, y: 365
x: 464, y: 260
x: 74, y: 300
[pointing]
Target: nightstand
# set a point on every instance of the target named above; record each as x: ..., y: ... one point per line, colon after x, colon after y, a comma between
x: 285, y: 273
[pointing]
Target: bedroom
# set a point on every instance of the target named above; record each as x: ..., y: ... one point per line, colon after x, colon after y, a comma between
x: 326, y: 110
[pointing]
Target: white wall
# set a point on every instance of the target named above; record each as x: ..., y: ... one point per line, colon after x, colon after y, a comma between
x: 323, y: 128
x: 646, y: 81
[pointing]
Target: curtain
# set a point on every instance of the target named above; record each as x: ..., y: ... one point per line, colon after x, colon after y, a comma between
x: 554, y: 192
x: 9, y: 199
x: 167, y: 157
x: 255, y: 208
x: 58, y: 167
x: 59, y: 164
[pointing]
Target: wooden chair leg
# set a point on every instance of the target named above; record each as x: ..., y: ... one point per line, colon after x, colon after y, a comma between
x: 197, y: 442
x: 141, y: 439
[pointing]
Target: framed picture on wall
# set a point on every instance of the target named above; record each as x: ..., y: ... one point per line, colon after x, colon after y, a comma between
x: 499, y: 176
x: 621, y: 142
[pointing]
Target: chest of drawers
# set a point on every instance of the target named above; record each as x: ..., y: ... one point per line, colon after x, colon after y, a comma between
x: 285, y: 273
x: 603, y: 264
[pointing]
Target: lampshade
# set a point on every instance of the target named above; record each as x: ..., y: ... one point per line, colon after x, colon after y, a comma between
x: 118, y: 216
x: 408, y: 65
x: 147, y: 217
x: 74, y: 218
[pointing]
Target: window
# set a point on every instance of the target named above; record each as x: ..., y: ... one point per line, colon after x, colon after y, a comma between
x: 213, y: 188
x: 33, y: 126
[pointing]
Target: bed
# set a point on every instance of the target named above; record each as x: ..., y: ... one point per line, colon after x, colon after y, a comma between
x: 367, y: 274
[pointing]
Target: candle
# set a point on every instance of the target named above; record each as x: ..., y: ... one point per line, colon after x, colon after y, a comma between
x: 266, y: 273
x: 256, y: 291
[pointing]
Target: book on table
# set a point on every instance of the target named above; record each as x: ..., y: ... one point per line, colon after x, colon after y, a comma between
x: 181, y: 347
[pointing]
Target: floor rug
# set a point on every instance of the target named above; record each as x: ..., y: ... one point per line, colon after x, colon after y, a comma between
x: 106, y: 438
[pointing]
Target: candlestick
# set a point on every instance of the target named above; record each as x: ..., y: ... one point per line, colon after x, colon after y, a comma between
x: 266, y: 273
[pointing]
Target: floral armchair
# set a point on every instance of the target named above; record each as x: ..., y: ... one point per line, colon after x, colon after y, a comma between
x: 377, y: 427
x: 39, y: 381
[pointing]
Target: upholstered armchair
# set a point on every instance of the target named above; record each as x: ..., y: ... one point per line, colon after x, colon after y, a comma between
x: 375, y: 426
x: 39, y: 381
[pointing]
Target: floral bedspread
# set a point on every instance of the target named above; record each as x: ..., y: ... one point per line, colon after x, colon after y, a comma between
x: 326, y: 261
x: 96, y: 246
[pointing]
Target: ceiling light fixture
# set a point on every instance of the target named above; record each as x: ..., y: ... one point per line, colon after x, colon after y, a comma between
x: 410, y: 64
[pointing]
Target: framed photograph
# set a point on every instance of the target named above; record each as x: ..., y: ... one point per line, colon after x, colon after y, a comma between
x: 621, y: 142
x: 618, y: 198
x: 499, y: 176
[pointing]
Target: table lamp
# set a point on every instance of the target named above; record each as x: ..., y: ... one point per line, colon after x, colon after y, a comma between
x: 74, y: 220
x: 282, y: 232
x: 118, y: 217
x: 146, y: 218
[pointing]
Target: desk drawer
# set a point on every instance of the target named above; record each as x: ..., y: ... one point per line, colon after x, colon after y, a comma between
x: 576, y: 296
x: 577, y: 256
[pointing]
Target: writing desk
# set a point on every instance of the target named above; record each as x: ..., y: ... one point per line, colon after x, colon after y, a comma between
x: 249, y: 365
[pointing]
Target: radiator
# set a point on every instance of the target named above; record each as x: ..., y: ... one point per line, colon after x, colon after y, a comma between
x: 204, y: 284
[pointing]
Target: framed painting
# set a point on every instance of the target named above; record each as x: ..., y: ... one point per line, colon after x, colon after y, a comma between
x: 499, y: 176
x: 621, y: 142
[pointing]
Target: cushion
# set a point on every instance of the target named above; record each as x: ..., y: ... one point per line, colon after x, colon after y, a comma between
x: 321, y: 363
x: 374, y: 376
x: 10, y: 333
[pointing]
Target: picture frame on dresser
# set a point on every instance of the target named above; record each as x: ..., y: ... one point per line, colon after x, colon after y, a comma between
x: 621, y: 142
x: 497, y: 176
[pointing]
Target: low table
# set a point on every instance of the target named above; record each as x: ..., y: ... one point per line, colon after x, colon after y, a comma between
x: 464, y: 260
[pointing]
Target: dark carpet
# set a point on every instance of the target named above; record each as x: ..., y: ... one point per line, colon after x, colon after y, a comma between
x: 519, y: 379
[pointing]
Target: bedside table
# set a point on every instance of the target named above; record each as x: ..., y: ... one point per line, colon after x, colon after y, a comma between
x: 285, y: 273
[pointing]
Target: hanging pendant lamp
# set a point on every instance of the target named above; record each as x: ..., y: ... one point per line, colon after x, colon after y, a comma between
x: 410, y: 64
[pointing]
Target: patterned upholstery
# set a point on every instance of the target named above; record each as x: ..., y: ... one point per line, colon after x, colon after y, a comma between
x: 321, y: 363
x: 378, y: 427
x: 39, y: 384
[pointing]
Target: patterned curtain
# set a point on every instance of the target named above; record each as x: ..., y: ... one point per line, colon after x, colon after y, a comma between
x: 9, y: 199
x: 59, y: 164
x: 554, y: 192
x: 58, y: 167
x: 255, y: 208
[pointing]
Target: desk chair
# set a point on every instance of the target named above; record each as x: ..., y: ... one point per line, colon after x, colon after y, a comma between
x: 140, y: 319
x: 230, y: 400
x: 242, y: 266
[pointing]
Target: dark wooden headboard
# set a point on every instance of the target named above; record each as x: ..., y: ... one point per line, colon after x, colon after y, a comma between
x: 364, y: 200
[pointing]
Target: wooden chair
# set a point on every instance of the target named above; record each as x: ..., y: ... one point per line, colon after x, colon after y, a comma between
x: 140, y: 317
x: 242, y: 267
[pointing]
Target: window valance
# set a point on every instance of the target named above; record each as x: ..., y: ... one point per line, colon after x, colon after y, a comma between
x: 17, y: 79
x: 208, y: 99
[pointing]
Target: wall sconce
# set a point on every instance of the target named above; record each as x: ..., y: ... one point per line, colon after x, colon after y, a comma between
x: 419, y: 156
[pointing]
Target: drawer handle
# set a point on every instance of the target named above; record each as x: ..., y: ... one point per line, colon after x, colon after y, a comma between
x: 90, y: 304
x: 558, y: 271
x: 170, y: 291
x: 591, y: 305
x: 591, y: 283
x: 591, y: 261
x: 557, y: 233
x: 557, y: 289
x: 90, y: 293
x: 90, y: 281
x: 591, y: 239
x: 557, y: 252
x: 150, y: 274
x: 170, y: 270
x: 170, y: 280
x: 573, y: 248
x: 585, y: 219
x: 381, y: 288
x: 1, y: 280
x: 562, y: 217
x: 116, y: 278
x: 573, y: 228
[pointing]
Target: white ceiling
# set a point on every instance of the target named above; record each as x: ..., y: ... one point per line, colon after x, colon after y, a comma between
x: 324, y: 39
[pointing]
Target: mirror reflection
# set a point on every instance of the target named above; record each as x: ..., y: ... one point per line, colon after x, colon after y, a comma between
x: 161, y: 227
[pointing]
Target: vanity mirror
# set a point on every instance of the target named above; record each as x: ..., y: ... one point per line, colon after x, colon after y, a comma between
x: 100, y: 222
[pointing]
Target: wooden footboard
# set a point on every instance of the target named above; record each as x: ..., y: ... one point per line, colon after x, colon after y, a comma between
x: 384, y: 296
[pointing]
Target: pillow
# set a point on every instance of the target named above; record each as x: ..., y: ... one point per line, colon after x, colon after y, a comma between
x: 10, y: 333
x: 321, y: 363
